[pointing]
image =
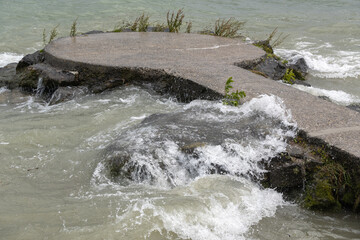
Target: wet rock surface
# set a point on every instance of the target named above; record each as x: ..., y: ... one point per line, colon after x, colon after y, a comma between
x: 46, y: 77
x: 271, y: 66
x: 315, y: 175
x: 30, y: 59
x: 7, y: 76
x: 300, y: 66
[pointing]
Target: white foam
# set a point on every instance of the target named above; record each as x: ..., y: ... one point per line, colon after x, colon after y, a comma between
x: 337, y: 64
x: 6, y: 58
x: 139, y: 117
x: 3, y: 89
x: 335, y: 96
x: 210, y: 208
x: 272, y: 105
x: 157, y: 160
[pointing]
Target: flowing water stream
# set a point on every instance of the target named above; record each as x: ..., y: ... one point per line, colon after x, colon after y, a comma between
x: 54, y: 183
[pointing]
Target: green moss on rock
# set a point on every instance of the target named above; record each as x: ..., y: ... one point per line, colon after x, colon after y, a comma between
x: 29, y: 79
x: 320, y: 197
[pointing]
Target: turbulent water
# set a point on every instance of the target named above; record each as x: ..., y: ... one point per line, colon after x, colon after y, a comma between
x: 54, y: 183
x: 54, y: 179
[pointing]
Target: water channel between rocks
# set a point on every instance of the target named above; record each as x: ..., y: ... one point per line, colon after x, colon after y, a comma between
x: 54, y: 183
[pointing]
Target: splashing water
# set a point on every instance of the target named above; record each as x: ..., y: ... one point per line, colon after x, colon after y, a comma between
x: 67, y: 193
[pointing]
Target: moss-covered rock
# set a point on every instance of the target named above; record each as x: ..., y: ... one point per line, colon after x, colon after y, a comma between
x: 320, y: 196
x: 264, y: 45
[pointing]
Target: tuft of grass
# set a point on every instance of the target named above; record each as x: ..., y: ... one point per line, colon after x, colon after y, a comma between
x: 53, y: 35
x: 188, y: 27
x: 175, y: 21
x: 134, y: 25
x: 159, y: 27
x: 44, y: 37
x: 140, y: 24
x: 122, y: 26
x: 289, y: 76
x: 233, y: 98
x: 275, y: 42
x: 73, y: 28
x: 227, y: 28
x: 143, y: 22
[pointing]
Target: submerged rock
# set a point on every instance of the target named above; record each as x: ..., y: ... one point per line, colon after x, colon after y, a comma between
x: 7, y: 76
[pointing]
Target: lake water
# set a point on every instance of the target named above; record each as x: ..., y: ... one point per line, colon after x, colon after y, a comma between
x: 53, y: 179
x: 54, y: 183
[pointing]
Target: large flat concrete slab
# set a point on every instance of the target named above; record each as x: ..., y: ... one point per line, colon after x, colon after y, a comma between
x: 209, y: 61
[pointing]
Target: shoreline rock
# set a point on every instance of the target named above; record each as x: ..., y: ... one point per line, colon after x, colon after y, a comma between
x: 316, y: 175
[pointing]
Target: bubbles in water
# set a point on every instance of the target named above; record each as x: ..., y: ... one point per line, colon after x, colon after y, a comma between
x: 6, y: 58
x: 328, y: 63
x: 336, y: 96
x: 203, y: 138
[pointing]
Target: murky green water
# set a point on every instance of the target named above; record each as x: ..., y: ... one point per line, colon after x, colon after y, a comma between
x: 53, y: 184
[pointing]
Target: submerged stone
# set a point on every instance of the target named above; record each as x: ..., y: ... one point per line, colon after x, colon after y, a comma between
x: 7, y: 76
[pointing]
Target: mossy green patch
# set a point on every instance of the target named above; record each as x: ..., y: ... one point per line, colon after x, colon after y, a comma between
x: 320, y: 197
x: 289, y: 77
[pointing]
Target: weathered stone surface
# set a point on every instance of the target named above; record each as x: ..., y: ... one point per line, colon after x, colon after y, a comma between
x: 7, y: 76
x: 30, y: 59
x: 272, y: 68
x: 300, y: 66
x: 52, y: 78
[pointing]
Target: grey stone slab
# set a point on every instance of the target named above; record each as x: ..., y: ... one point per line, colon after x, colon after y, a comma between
x: 209, y: 61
